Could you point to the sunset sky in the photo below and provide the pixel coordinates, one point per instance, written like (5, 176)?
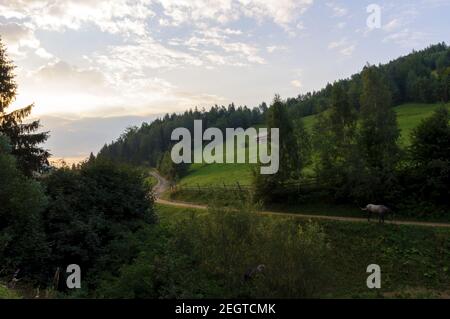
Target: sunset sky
(94, 67)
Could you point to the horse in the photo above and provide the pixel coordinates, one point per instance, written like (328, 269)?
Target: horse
(252, 272)
(380, 210)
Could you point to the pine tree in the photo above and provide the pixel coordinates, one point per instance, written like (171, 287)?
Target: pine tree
(335, 141)
(379, 131)
(267, 186)
(23, 137)
(278, 117)
(377, 138)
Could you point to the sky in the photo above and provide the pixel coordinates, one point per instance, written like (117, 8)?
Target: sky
(95, 67)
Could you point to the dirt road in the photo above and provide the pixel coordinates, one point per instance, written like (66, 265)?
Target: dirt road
(163, 185)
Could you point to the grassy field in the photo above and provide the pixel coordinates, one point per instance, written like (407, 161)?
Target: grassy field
(5, 293)
(409, 116)
(414, 260)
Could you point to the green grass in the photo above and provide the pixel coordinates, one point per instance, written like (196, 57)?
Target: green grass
(217, 174)
(229, 198)
(414, 260)
(409, 116)
(150, 181)
(6, 293)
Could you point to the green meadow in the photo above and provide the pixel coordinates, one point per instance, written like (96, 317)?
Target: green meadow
(414, 260)
(409, 116)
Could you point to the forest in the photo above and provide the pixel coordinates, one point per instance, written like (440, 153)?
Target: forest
(354, 147)
(101, 214)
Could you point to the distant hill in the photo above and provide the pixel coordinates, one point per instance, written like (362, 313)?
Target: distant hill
(409, 116)
(422, 77)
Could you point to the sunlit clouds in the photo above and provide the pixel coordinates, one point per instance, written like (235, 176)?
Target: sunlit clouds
(81, 59)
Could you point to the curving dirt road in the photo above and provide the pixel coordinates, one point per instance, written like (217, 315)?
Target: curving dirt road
(164, 185)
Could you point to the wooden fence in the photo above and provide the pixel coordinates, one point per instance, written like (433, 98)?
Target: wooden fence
(237, 187)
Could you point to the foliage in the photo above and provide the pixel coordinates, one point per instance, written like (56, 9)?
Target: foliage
(377, 140)
(431, 139)
(92, 206)
(292, 158)
(414, 260)
(206, 256)
(22, 240)
(427, 177)
(5, 293)
(335, 144)
(23, 137)
(169, 169)
(422, 77)
(149, 143)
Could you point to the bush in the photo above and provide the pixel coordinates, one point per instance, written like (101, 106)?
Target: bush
(22, 240)
(207, 256)
(91, 214)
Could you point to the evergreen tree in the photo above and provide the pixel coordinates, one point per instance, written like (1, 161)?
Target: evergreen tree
(23, 137)
(335, 141)
(445, 85)
(378, 134)
(170, 170)
(278, 117)
(304, 145)
(268, 186)
(379, 131)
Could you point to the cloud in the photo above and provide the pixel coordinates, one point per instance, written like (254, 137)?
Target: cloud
(348, 50)
(342, 46)
(338, 11)
(19, 38)
(281, 12)
(67, 77)
(392, 25)
(61, 88)
(144, 54)
(296, 83)
(119, 16)
(218, 42)
(41, 52)
(131, 17)
(406, 38)
(274, 48)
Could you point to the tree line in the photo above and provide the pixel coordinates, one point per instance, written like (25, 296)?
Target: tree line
(422, 77)
(356, 157)
(354, 147)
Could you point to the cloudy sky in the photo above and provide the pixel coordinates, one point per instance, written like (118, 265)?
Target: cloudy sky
(94, 67)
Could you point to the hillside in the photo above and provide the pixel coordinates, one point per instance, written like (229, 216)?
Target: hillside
(420, 77)
(409, 254)
(408, 115)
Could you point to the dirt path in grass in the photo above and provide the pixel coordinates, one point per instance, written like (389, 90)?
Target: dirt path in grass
(164, 185)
